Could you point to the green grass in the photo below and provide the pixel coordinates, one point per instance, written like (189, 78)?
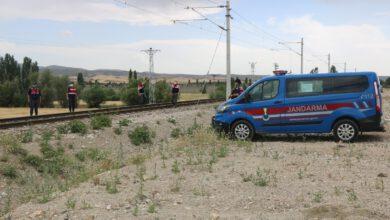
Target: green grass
(8, 171)
(100, 121)
(78, 127)
(141, 135)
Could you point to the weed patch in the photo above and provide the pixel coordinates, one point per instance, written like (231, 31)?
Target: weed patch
(141, 135)
(100, 121)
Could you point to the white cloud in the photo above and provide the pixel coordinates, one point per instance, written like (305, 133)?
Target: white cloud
(156, 12)
(362, 46)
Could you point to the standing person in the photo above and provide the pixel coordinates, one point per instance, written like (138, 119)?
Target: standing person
(72, 97)
(141, 93)
(175, 92)
(237, 89)
(34, 99)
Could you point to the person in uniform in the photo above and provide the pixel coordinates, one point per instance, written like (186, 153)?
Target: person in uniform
(175, 92)
(141, 93)
(237, 89)
(34, 99)
(72, 97)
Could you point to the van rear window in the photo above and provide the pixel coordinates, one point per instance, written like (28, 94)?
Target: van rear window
(324, 86)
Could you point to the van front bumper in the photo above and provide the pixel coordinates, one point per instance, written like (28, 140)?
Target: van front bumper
(219, 126)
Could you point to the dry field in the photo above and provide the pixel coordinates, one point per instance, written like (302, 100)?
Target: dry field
(189, 172)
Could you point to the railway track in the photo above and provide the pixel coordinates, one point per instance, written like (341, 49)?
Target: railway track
(49, 118)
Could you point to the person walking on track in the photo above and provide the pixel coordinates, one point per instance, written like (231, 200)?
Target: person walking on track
(34, 99)
(175, 92)
(72, 97)
(141, 93)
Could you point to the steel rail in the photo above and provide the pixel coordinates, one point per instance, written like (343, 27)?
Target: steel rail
(49, 118)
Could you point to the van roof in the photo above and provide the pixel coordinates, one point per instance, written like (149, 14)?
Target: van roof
(289, 76)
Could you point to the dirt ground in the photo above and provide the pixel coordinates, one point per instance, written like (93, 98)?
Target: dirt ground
(274, 177)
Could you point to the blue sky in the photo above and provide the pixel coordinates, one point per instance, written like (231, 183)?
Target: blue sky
(108, 34)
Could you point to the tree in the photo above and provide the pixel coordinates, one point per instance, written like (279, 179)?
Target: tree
(80, 79)
(333, 69)
(135, 75)
(60, 85)
(130, 75)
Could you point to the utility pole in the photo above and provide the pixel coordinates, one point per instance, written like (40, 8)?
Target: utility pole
(345, 67)
(228, 36)
(328, 63)
(228, 55)
(253, 67)
(151, 52)
(301, 54)
(302, 44)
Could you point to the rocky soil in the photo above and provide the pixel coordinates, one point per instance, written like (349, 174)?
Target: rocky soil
(202, 176)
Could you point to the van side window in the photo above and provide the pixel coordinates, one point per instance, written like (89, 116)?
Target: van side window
(350, 84)
(264, 91)
(325, 86)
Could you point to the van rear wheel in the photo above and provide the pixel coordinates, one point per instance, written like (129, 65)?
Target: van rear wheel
(242, 130)
(345, 130)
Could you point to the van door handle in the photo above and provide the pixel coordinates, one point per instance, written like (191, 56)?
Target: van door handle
(278, 102)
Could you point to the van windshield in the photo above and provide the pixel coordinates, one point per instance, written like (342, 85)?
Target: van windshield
(264, 91)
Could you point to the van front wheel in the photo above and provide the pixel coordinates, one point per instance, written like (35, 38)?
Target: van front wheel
(242, 130)
(345, 130)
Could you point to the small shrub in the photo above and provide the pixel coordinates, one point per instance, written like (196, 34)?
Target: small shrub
(8, 171)
(111, 187)
(152, 208)
(141, 135)
(12, 145)
(223, 152)
(171, 120)
(124, 122)
(71, 203)
(138, 159)
(176, 133)
(77, 126)
(91, 153)
(318, 196)
(175, 167)
(63, 129)
(47, 135)
(352, 195)
(27, 137)
(262, 178)
(118, 131)
(100, 121)
(33, 160)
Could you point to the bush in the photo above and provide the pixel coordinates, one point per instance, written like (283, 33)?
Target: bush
(219, 93)
(94, 96)
(77, 126)
(33, 160)
(118, 130)
(8, 171)
(176, 133)
(162, 92)
(63, 129)
(124, 122)
(27, 137)
(141, 135)
(100, 121)
(112, 95)
(92, 153)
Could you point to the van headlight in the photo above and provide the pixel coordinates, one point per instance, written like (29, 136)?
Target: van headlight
(222, 108)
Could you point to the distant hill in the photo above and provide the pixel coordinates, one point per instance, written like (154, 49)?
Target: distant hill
(112, 73)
